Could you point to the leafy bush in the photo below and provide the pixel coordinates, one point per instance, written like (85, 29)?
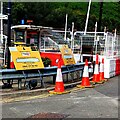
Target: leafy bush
(46, 61)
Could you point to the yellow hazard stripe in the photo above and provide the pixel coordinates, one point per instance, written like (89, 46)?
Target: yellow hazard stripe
(17, 99)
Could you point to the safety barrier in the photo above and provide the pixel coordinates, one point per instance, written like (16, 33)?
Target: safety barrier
(117, 69)
(119, 66)
(12, 74)
(112, 65)
(109, 68)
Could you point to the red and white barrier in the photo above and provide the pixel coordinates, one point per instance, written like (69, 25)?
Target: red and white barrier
(117, 68)
(110, 66)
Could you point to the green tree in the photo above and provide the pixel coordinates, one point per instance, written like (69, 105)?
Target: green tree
(18, 12)
(53, 14)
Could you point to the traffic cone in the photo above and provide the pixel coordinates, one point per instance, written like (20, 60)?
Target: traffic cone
(102, 71)
(85, 79)
(96, 76)
(59, 85)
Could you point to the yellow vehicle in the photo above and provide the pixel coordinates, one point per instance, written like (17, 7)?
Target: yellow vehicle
(19, 44)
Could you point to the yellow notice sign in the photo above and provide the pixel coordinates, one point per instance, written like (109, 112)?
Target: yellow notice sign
(67, 55)
(25, 59)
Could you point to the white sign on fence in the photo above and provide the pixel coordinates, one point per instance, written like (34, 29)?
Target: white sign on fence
(5, 17)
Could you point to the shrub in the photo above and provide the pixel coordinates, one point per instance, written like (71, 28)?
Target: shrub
(46, 61)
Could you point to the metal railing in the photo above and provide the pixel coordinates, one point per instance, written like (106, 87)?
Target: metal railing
(12, 74)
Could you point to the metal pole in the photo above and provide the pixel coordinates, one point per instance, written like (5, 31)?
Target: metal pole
(96, 43)
(44, 43)
(106, 45)
(9, 34)
(1, 22)
(81, 50)
(114, 45)
(5, 52)
(65, 27)
(95, 39)
(40, 39)
(72, 38)
(104, 31)
(95, 30)
(87, 17)
(115, 34)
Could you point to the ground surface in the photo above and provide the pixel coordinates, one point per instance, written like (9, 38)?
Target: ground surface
(98, 102)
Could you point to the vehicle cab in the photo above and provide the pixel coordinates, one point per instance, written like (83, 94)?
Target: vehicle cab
(30, 35)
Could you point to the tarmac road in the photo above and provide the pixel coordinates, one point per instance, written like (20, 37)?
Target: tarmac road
(98, 102)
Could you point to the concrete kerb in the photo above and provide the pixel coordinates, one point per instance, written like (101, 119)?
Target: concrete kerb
(26, 93)
(34, 91)
(38, 92)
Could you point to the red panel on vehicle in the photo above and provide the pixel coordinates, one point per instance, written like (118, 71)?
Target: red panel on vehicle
(53, 57)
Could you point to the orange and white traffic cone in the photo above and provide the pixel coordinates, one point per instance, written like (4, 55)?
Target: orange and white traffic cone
(59, 85)
(85, 79)
(96, 76)
(102, 71)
